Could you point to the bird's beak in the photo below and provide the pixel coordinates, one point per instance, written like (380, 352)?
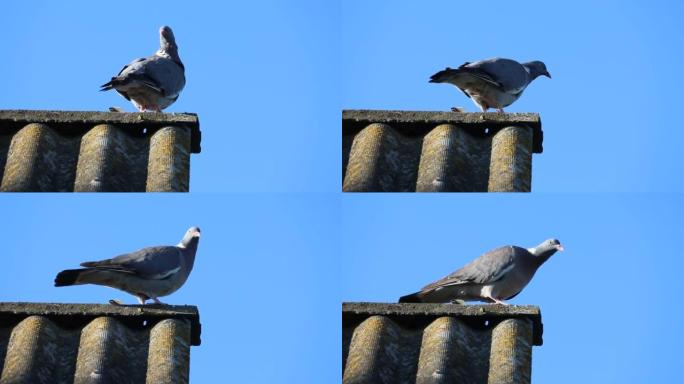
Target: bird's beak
(547, 74)
(560, 247)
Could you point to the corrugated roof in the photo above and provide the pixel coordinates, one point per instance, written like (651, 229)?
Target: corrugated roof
(406, 151)
(93, 343)
(62, 151)
(438, 343)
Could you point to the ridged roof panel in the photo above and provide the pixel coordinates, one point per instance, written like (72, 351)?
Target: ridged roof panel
(88, 343)
(403, 151)
(436, 343)
(62, 151)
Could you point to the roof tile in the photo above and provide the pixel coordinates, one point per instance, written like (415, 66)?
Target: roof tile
(96, 151)
(402, 151)
(427, 343)
(86, 343)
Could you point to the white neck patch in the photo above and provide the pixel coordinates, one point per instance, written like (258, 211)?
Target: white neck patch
(164, 54)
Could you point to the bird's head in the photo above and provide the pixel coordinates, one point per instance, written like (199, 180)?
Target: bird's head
(166, 38)
(546, 249)
(194, 232)
(536, 69)
(550, 245)
(167, 45)
(192, 235)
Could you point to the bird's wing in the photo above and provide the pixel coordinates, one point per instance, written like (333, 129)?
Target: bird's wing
(167, 75)
(507, 74)
(154, 263)
(486, 269)
(160, 74)
(132, 66)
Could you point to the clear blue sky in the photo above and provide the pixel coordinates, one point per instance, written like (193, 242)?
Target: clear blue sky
(281, 247)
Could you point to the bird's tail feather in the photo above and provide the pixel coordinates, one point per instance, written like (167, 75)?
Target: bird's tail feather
(92, 264)
(444, 75)
(412, 298)
(68, 277)
(110, 84)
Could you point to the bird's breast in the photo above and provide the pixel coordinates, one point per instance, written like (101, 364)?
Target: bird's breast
(510, 285)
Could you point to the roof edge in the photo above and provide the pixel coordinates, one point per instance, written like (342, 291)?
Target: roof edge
(78, 313)
(413, 122)
(64, 120)
(439, 117)
(429, 311)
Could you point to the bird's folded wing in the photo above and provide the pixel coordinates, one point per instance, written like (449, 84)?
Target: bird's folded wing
(166, 75)
(142, 72)
(510, 75)
(480, 75)
(154, 263)
(486, 269)
(132, 66)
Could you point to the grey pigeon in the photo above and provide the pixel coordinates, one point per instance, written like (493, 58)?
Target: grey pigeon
(495, 276)
(493, 83)
(149, 273)
(152, 83)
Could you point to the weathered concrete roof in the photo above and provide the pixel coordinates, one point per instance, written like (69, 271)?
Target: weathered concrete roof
(76, 121)
(84, 343)
(425, 343)
(438, 151)
(96, 151)
(416, 122)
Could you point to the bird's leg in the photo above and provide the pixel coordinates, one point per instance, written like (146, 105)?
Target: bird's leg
(156, 301)
(497, 301)
(141, 300)
(500, 110)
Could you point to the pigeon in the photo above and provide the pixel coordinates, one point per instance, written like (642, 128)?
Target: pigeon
(152, 83)
(495, 276)
(492, 83)
(147, 274)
